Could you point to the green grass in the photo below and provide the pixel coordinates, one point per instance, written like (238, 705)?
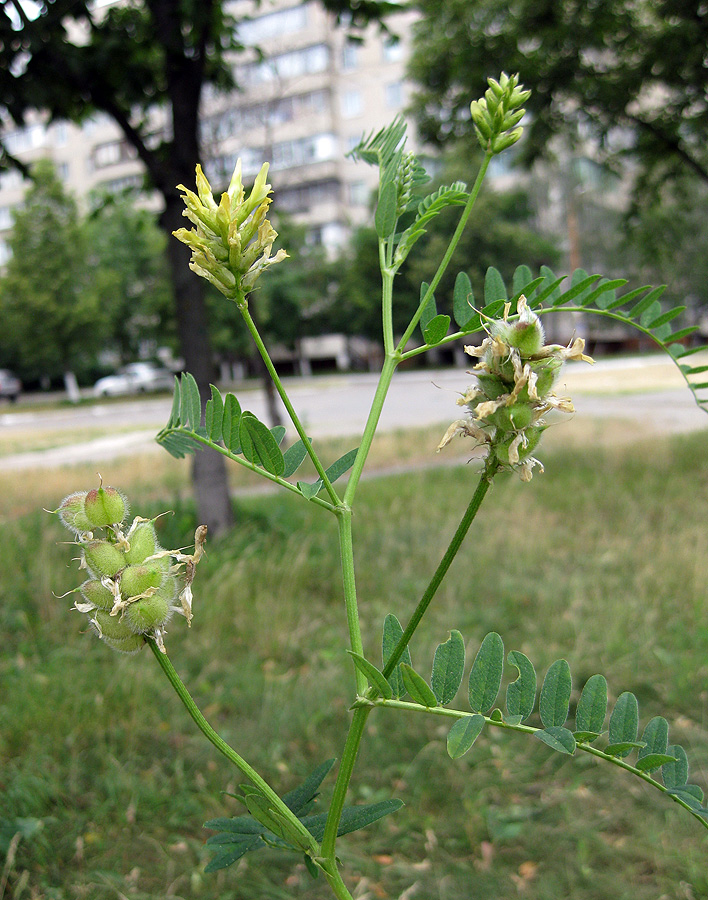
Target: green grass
(602, 560)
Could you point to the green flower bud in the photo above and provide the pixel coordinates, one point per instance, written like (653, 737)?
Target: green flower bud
(98, 594)
(143, 542)
(513, 418)
(103, 558)
(73, 513)
(136, 580)
(547, 370)
(105, 506)
(111, 626)
(512, 451)
(492, 386)
(146, 614)
(130, 644)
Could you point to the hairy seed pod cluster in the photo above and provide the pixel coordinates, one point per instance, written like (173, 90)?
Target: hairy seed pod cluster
(515, 376)
(134, 585)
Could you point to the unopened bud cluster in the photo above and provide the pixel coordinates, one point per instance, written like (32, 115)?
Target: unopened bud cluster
(133, 585)
(515, 376)
(232, 240)
(498, 113)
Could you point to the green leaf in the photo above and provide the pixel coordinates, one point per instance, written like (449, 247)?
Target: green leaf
(237, 825)
(214, 415)
(353, 818)
(605, 294)
(430, 310)
(436, 330)
(293, 458)
(684, 333)
(259, 446)
(580, 286)
(494, 287)
(228, 856)
(689, 793)
(309, 491)
(385, 216)
(640, 308)
(448, 668)
(521, 278)
(463, 300)
(652, 312)
(392, 633)
(551, 290)
(668, 316)
(190, 403)
(417, 686)
(463, 734)
(558, 738)
(278, 432)
(656, 738)
(375, 677)
(624, 720)
(486, 673)
(447, 195)
(174, 414)
(341, 465)
(675, 774)
(521, 694)
(177, 444)
(592, 706)
(586, 737)
(555, 694)
(623, 748)
(230, 424)
(652, 761)
(299, 799)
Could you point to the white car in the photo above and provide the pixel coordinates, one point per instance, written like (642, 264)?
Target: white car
(135, 378)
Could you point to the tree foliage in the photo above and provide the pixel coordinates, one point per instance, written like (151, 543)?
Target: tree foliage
(51, 322)
(631, 73)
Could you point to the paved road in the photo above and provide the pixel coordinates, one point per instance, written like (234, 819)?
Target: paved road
(338, 405)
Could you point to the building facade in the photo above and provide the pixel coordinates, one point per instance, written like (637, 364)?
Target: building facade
(303, 102)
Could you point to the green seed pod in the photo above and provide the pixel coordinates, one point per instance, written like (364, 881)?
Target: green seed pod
(523, 449)
(73, 514)
(146, 614)
(105, 506)
(130, 644)
(103, 558)
(547, 371)
(513, 418)
(136, 580)
(492, 386)
(143, 543)
(111, 627)
(525, 334)
(98, 594)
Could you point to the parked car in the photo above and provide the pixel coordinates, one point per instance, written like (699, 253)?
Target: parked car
(10, 385)
(135, 378)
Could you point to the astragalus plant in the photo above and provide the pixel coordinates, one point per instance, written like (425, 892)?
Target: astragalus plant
(133, 586)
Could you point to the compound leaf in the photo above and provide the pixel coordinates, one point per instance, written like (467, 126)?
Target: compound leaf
(293, 458)
(555, 694)
(494, 287)
(258, 444)
(230, 424)
(463, 300)
(486, 673)
(656, 738)
(558, 738)
(521, 694)
(675, 774)
(448, 668)
(624, 721)
(417, 686)
(214, 416)
(592, 706)
(190, 402)
(463, 734)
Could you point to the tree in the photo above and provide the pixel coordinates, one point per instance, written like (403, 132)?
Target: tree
(55, 325)
(129, 278)
(632, 74)
(126, 61)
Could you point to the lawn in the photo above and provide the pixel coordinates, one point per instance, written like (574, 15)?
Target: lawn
(105, 782)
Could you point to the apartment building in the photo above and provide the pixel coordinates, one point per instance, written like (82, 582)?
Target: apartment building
(302, 104)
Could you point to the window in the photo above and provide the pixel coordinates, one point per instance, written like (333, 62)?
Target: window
(10, 180)
(111, 153)
(62, 171)
(301, 152)
(304, 196)
(60, 133)
(288, 65)
(351, 104)
(28, 138)
(358, 193)
(394, 94)
(272, 25)
(5, 218)
(350, 56)
(391, 50)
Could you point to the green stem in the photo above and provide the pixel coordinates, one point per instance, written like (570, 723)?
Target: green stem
(346, 551)
(251, 325)
(387, 371)
(224, 748)
(445, 261)
(387, 276)
(346, 767)
(366, 703)
(339, 888)
(491, 467)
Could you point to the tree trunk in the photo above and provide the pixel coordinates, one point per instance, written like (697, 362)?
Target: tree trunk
(208, 471)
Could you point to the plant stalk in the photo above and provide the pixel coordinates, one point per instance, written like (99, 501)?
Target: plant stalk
(251, 325)
(491, 467)
(225, 748)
